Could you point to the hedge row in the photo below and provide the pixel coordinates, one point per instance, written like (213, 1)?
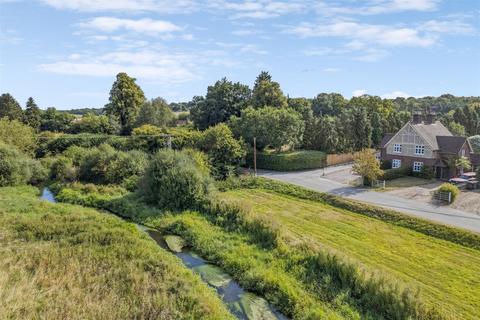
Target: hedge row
(440, 231)
(148, 143)
(289, 161)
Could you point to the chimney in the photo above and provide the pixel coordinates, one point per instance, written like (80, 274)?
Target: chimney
(430, 118)
(417, 118)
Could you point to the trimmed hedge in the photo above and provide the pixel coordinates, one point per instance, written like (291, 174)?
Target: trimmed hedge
(289, 161)
(437, 230)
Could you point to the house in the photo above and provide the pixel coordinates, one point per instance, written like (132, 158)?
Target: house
(425, 142)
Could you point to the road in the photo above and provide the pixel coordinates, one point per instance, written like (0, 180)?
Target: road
(313, 180)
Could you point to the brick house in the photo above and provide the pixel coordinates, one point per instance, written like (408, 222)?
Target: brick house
(425, 142)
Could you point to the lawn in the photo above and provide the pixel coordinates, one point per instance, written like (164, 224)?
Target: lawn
(446, 273)
(63, 261)
(405, 182)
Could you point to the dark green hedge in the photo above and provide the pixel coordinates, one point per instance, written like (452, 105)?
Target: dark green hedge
(289, 161)
(437, 230)
(58, 144)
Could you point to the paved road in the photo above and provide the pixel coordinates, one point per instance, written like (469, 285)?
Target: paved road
(314, 180)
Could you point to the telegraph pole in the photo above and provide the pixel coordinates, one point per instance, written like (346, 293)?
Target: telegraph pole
(255, 156)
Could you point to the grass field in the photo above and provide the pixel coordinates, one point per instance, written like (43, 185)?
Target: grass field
(446, 273)
(61, 261)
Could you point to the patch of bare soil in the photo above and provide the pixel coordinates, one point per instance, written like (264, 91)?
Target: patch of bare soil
(468, 201)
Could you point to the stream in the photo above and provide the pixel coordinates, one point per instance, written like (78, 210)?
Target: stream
(242, 304)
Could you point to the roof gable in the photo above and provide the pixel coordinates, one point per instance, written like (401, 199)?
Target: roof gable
(430, 132)
(451, 144)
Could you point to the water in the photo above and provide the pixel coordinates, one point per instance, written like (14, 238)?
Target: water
(242, 304)
(47, 195)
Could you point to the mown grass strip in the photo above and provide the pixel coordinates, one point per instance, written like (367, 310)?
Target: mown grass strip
(452, 234)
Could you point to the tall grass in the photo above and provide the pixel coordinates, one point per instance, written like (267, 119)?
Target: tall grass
(61, 261)
(329, 277)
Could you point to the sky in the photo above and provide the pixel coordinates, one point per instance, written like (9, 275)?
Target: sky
(66, 53)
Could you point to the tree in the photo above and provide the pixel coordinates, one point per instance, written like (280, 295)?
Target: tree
(270, 126)
(32, 115)
(53, 120)
(10, 108)
(126, 98)
(475, 143)
(267, 93)
(324, 135)
(367, 166)
(17, 134)
(155, 112)
(175, 180)
(92, 123)
(456, 129)
(463, 163)
(223, 100)
(360, 129)
(328, 104)
(225, 153)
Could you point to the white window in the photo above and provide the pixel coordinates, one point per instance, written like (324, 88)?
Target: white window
(417, 166)
(419, 149)
(397, 147)
(396, 163)
(463, 152)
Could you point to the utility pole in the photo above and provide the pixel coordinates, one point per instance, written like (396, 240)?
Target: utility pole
(255, 156)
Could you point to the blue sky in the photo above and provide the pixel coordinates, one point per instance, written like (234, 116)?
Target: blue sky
(67, 53)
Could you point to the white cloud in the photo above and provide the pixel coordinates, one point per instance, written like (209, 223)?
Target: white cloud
(161, 6)
(331, 70)
(359, 92)
(448, 27)
(395, 94)
(146, 26)
(361, 32)
(158, 66)
(250, 48)
(377, 7)
(263, 9)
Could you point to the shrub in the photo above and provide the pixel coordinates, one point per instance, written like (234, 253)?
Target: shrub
(225, 153)
(396, 173)
(96, 163)
(14, 166)
(448, 187)
(385, 164)
(289, 161)
(92, 123)
(124, 165)
(425, 173)
(174, 181)
(17, 134)
(63, 170)
(39, 172)
(146, 130)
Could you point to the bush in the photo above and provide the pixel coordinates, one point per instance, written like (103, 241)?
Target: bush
(63, 170)
(225, 153)
(18, 135)
(146, 130)
(174, 181)
(425, 173)
(14, 166)
(289, 161)
(125, 165)
(448, 187)
(391, 174)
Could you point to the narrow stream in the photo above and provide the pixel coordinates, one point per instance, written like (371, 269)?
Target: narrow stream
(242, 304)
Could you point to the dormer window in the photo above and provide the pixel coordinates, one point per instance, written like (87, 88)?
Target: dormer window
(397, 148)
(419, 149)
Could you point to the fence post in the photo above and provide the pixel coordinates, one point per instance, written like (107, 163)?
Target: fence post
(449, 197)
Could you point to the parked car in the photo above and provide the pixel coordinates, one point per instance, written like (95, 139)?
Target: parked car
(463, 178)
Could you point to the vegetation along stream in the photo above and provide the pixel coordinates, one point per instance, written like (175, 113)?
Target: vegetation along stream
(241, 303)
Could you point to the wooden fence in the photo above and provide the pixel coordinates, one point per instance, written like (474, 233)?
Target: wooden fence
(443, 196)
(336, 159)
